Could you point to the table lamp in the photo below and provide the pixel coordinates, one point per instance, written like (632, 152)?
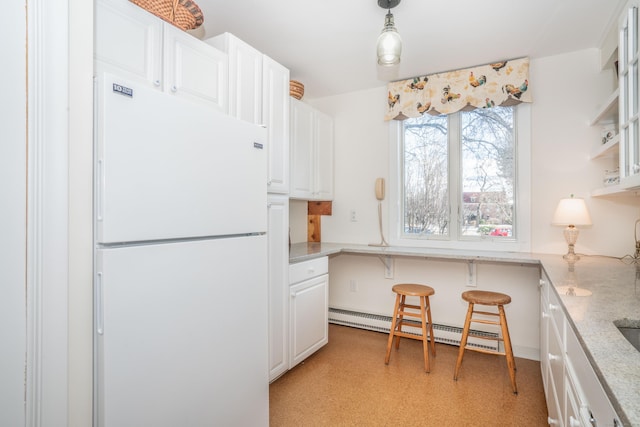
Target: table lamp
(571, 212)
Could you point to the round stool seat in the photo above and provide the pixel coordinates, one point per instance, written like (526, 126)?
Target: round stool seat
(413, 290)
(486, 297)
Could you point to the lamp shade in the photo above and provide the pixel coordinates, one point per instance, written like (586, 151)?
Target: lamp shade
(389, 45)
(572, 211)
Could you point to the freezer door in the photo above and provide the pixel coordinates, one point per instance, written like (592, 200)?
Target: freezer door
(181, 334)
(170, 168)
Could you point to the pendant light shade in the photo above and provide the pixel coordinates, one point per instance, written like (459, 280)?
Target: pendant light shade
(389, 45)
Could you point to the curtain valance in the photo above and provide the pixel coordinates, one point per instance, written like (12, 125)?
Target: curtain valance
(502, 83)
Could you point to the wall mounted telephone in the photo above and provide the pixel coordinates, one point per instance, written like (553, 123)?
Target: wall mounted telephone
(380, 196)
(380, 188)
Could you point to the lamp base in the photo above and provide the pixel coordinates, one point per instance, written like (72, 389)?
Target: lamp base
(571, 237)
(570, 256)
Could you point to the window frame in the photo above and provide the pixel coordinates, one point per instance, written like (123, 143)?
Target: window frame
(522, 227)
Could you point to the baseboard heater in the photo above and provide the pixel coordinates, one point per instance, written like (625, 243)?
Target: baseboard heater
(443, 333)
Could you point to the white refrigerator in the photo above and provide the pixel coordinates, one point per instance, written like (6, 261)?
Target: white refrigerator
(180, 262)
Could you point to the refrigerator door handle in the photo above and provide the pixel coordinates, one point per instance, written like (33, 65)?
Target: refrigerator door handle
(99, 190)
(99, 305)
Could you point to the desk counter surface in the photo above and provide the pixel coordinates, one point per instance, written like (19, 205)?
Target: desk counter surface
(615, 296)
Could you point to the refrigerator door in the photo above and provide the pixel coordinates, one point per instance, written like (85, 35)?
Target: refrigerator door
(182, 334)
(170, 168)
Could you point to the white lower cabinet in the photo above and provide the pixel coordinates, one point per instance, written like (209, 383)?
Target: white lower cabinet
(308, 308)
(278, 240)
(573, 392)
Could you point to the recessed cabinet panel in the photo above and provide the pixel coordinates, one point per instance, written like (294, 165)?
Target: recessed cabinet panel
(302, 161)
(278, 214)
(195, 69)
(311, 153)
(129, 39)
(309, 327)
(276, 115)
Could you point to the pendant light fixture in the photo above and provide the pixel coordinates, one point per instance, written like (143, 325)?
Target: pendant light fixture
(389, 44)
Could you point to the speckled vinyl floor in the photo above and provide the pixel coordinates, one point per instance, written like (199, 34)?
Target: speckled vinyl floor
(346, 383)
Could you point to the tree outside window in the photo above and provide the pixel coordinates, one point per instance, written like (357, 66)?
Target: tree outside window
(459, 175)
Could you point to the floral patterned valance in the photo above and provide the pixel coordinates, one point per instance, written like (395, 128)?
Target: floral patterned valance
(501, 83)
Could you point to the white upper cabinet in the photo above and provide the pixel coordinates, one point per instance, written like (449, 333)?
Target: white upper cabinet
(629, 76)
(311, 153)
(275, 112)
(194, 69)
(137, 45)
(245, 77)
(129, 40)
(259, 93)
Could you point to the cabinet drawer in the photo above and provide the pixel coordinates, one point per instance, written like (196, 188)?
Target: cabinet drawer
(556, 313)
(307, 269)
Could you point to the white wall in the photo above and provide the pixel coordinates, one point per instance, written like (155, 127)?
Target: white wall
(13, 188)
(566, 92)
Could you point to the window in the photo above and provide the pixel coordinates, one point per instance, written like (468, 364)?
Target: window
(462, 180)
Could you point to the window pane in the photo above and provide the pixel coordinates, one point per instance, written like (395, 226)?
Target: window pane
(487, 167)
(426, 184)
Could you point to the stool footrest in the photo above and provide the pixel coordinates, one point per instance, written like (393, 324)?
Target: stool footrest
(485, 351)
(408, 335)
(486, 322)
(483, 337)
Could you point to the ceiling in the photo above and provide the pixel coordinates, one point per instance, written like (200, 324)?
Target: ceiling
(329, 45)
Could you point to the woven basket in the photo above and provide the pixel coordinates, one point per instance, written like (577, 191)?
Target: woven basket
(184, 14)
(296, 89)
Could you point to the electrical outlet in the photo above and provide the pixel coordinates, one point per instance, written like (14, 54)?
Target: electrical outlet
(353, 285)
(352, 215)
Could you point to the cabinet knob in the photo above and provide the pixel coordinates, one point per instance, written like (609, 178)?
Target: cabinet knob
(174, 89)
(553, 357)
(552, 421)
(553, 307)
(545, 315)
(156, 82)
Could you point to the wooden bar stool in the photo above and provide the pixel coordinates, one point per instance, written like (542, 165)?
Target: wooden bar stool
(424, 314)
(488, 298)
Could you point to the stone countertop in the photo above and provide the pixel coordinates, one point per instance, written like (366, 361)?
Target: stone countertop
(615, 296)
(305, 251)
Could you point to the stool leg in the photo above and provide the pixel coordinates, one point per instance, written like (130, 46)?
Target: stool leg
(431, 337)
(425, 342)
(463, 342)
(511, 363)
(392, 330)
(400, 319)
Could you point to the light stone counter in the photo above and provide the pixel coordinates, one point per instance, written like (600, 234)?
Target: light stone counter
(615, 295)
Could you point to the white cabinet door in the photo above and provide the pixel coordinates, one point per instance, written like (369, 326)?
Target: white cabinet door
(324, 156)
(245, 77)
(278, 233)
(128, 40)
(311, 153)
(629, 80)
(275, 110)
(302, 165)
(194, 69)
(309, 318)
